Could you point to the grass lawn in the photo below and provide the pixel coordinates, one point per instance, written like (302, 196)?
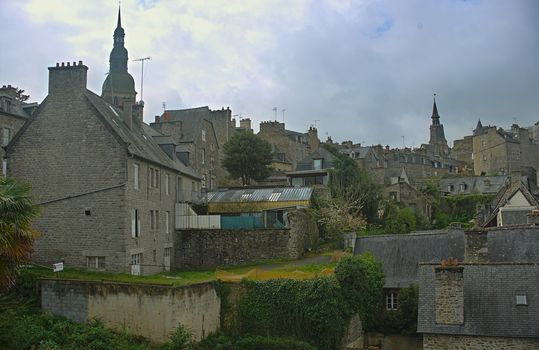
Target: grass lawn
(177, 278)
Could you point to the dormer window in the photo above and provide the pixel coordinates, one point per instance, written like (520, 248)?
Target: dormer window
(317, 164)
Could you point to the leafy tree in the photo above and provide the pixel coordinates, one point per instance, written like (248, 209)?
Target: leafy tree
(353, 185)
(16, 234)
(361, 278)
(247, 157)
(20, 96)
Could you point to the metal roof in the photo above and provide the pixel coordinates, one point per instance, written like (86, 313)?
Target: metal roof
(261, 195)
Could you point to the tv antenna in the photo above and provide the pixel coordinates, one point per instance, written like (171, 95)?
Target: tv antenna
(142, 75)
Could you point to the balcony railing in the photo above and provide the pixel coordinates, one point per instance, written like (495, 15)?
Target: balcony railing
(196, 197)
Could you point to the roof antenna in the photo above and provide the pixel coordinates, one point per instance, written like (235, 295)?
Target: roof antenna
(142, 75)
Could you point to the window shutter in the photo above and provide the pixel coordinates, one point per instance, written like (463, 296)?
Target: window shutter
(133, 223)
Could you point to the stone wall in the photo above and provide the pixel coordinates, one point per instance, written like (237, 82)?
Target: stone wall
(449, 295)
(475, 246)
(147, 310)
(458, 342)
(212, 248)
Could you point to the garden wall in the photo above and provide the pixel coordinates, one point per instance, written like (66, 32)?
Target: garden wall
(148, 310)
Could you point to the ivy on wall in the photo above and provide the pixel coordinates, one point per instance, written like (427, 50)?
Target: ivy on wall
(316, 310)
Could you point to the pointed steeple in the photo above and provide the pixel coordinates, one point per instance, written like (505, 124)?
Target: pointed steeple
(478, 128)
(437, 135)
(119, 85)
(119, 25)
(435, 116)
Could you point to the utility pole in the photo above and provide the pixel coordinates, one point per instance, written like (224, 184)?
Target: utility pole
(142, 75)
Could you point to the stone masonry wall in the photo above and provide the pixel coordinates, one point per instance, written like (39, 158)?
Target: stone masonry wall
(459, 342)
(211, 248)
(449, 295)
(77, 170)
(147, 310)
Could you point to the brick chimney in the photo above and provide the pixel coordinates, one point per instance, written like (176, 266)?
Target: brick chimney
(475, 246)
(449, 295)
(65, 78)
(127, 113)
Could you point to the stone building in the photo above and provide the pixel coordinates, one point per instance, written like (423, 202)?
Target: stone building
(106, 189)
(197, 143)
(289, 146)
(410, 197)
(313, 170)
(13, 115)
(499, 152)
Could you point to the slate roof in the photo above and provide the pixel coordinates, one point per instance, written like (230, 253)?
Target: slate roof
(357, 152)
(261, 195)
(506, 193)
(474, 184)
(400, 254)
(489, 301)
(320, 153)
(137, 139)
(191, 120)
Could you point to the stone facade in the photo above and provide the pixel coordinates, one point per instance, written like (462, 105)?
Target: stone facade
(146, 310)
(449, 295)
(289, 146)
(459, 342)
(409, 197)
(74, 155)
(476, 246)
(198, 145)
(13, 115)
(463, 151)
(496, 151)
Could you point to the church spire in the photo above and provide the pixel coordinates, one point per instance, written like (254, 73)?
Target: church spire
(435, 116)
(119, 85)
(119, 25)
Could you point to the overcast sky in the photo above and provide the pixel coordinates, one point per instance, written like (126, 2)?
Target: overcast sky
(360, 70)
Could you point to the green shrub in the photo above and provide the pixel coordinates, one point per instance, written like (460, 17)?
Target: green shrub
(404, 319)
(269, 343)
(361, 279)
(180, 339)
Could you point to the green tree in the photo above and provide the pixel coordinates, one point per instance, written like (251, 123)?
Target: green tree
(20, 96)
(361, 278)
(16, 234)
(353, 185)
(247, 157)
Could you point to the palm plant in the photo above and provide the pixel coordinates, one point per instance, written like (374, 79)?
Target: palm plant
(16, 233)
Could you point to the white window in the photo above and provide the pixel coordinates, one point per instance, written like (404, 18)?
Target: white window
(136, 261)
(167, 191)
(136, 176)
(204, 135)
(95, 262)
(6, 136)
(392, 302)
(521, 299)
(135, 223)
(203, 156)
(167, 222)
(317, 164)
(203, 180)
(167, 252)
